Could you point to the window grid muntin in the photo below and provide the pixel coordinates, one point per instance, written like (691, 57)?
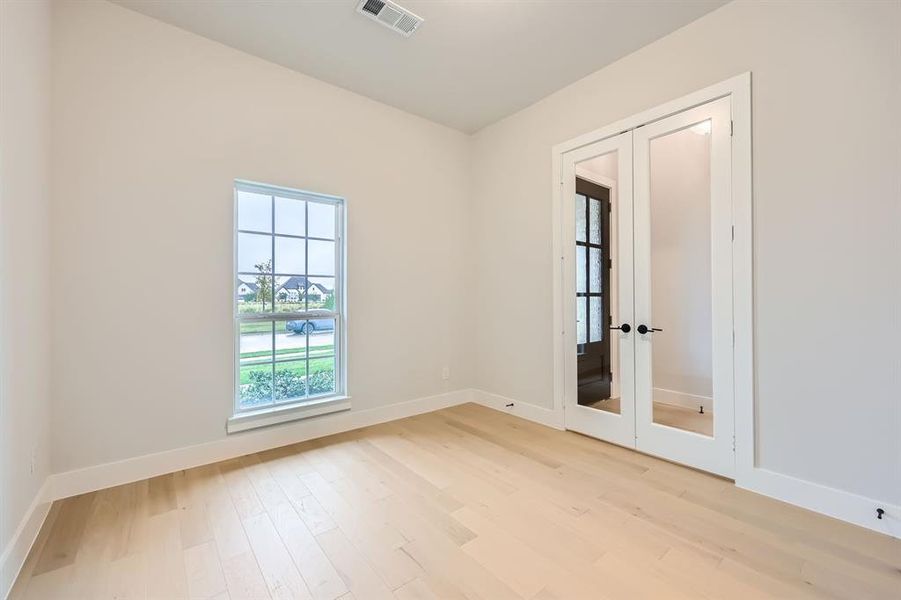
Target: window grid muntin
(307, 314)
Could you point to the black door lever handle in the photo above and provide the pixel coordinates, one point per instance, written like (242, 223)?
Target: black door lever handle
(625, 328)
(643, 329)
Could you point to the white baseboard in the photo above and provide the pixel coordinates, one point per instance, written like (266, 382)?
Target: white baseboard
(822, 499)
(19, 546)
(89, 479)
(544, 416)
(682, 399)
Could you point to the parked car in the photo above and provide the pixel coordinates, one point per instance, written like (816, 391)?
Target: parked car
(311, 326)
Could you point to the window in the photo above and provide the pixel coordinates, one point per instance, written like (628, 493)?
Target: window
(289, 350)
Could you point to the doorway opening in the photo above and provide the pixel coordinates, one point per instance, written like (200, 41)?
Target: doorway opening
(647, 258)
(593, 266)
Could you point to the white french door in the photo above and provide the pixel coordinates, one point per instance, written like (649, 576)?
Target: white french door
(683, 286)
(671, 261)
(613, 418)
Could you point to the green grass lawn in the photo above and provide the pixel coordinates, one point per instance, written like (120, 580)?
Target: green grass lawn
(315, 352)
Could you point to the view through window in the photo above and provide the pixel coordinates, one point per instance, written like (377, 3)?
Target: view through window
(287, 296)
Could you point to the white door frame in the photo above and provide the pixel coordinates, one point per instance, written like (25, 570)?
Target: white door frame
(739, 89)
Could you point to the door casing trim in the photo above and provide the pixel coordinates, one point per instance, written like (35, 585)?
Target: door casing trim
(739, 89)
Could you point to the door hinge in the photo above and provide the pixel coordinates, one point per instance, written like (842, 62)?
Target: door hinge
(731, 128)
(733, 338)
(733, 442)
(733, 233)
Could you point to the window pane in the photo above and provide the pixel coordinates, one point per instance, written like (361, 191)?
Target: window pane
(290, 216)
(256, 342)
(581, 318)
(594, 276)
(247, 294)
(597, 319)
(289, 293)
(255, 376)
(321, 294)
(581, 228)
(594, 222)
(581, 275)
(322, 258)
(322, 376)
(289, 255)
(323, 329)
(322, 220)
(278, 361)
(290, 341)
(254, 294)
(254, 212)
(290, 380)
(321, 337)
(254, 253)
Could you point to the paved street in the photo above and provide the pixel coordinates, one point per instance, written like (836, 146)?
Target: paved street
(263, 341)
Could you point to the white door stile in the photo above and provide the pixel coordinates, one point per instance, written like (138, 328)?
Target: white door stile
(616, 428)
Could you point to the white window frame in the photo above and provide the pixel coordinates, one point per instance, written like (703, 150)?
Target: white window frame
(309, 406)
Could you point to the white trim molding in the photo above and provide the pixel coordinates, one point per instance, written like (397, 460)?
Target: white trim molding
(530, 412)
(89, 479)
(283, 414)
(839, 504)
(13, 558)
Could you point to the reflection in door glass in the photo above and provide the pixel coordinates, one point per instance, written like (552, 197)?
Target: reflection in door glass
(597, 352)
(682, 373)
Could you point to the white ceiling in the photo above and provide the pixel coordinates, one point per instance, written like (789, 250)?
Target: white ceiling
(471, 62)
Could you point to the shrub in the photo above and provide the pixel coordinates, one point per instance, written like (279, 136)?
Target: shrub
(322, 382)
(288, 384)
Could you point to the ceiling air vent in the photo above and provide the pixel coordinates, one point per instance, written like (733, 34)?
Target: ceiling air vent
(390, 15)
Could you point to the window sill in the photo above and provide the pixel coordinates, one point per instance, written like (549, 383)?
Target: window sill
(283, 414)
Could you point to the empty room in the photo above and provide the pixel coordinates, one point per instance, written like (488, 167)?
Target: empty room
(450, 299)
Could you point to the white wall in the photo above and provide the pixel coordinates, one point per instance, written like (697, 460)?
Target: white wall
(151, 126)
(24, 269)
(827, 175)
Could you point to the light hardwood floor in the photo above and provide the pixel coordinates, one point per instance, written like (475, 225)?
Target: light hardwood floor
(461, 503)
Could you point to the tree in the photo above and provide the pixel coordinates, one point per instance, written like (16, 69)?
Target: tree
(264, 282)
(329, 301)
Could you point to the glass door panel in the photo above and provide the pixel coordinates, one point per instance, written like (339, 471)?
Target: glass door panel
(681, 367)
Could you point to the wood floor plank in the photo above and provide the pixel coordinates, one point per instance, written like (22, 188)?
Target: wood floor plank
(190, 496)
(161, 494)
(358, 575)
(464, 503)
(165, 563)
(282, 577)
(65, 536)
(204, 571)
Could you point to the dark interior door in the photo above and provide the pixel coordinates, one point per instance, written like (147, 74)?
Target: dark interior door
(593, 291)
